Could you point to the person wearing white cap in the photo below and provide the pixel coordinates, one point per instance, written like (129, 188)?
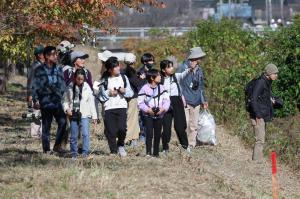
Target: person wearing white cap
(193, 91)
(133, 128)
(64, 49)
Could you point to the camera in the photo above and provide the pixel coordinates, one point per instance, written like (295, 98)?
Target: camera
(32, 114)
(195, 85)
(155, 110)
(76, 115)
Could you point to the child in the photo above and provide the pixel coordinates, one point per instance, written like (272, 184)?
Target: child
(153, 101)
(114, 89)
(171, 83)
(79, 105)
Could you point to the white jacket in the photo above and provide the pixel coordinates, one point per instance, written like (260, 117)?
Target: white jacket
(87, 103)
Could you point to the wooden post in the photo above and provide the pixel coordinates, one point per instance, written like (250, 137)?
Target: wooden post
(275, 185)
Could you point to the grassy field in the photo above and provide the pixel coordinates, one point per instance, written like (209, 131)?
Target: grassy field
(224, 171)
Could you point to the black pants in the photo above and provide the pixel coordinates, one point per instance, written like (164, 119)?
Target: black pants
(177, 112)
(47, 117)
(115, 127)
(153, 126)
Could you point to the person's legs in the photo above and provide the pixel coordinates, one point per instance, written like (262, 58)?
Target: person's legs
(157, 134)
(85, 136)
(47, 117)
(122, 126)
(130, 114)
(180, 122)
(193, 123)
(74, 128)
(61, 120)
(149, 134)
(259, 132)
(110, 121)
(167, 125)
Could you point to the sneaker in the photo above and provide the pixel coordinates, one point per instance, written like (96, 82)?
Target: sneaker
(122, 151)
(166, 152)
(188, 150)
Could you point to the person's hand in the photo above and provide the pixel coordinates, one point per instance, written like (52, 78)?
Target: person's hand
(113, 93)
(161, 110)
(258, 120)
(150, 112)
(29, 99)
(122, 90)
(36, 105)
(69, 113)
(205, 105)
(94, 121)
(142, 76)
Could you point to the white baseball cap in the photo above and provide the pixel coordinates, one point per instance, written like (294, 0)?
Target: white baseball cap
(130, 58)
(65, 46)
(105, 55)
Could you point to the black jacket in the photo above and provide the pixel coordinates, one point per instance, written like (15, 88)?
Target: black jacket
(261, 99)
(136, 83)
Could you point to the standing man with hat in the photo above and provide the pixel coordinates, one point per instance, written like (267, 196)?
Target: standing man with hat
(262, 108)
(36, 125)
(193, 91)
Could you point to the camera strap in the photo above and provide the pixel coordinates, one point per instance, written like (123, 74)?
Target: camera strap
(79, 94)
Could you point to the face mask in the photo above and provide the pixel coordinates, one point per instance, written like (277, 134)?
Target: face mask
(149, 66)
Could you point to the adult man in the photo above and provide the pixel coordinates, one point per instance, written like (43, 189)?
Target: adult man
(35, 125)
(47, 92)
(262, 108)
(193, 91)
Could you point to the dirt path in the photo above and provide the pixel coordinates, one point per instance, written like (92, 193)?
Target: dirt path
(225, 171)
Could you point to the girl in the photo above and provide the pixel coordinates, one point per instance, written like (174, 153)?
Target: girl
(153, 101)
(114, 89)
(79, 105)
(171, 82)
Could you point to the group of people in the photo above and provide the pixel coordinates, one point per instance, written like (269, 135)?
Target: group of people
(137, 104)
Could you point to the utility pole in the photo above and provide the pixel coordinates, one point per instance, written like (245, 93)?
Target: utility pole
(281, 11)
(267, 12)
(270, 10)
(221, 9)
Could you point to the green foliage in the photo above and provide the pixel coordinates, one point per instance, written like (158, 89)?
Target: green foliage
(284, 51)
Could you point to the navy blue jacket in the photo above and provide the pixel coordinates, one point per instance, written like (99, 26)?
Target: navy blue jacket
(48, 94)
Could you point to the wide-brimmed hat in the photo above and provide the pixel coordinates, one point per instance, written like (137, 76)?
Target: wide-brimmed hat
(105, 55)
(78, 54)
(196, 52)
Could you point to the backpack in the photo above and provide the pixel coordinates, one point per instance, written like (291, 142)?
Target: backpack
(172, 79)
(105, 83)
(248, 94)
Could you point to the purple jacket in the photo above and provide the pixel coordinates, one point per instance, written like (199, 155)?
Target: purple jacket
(149, 98)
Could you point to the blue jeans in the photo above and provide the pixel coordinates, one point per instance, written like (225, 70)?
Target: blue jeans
(85, 137)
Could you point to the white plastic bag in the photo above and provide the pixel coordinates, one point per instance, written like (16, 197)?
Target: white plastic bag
(206, 133)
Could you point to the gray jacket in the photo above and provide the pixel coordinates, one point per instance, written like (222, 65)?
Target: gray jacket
(194, 96)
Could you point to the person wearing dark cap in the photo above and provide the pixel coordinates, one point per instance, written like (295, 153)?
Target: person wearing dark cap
(47, 92)
(77, 62)
(35, 126)
(262, 108)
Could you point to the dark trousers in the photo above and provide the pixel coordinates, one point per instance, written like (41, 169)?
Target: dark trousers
(153, 126)
(115, 127)
(47, 117)
(177, 112)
